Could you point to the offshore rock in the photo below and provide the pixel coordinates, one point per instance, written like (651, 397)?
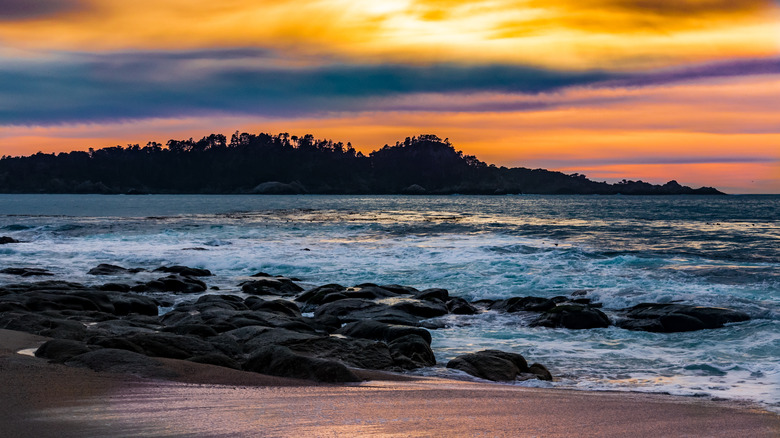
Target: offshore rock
(493, 365)
(184, 270)
(172, 283)
(26, 272)
(271, 286)
(523, 304)
(5, 240)
(572, 316)
(107, 269)
(669, 318)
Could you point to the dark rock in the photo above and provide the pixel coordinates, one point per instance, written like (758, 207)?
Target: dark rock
(283, 362)
(271, 286)
(184, 270)
(572, 316)
(412, 351)
(5, 240)
(491, 365)
(233, 302)
(115, 287)
(315, 295)
(400, 290)
(172, 283)
(355, 309)
(360, 353)
(201, 330)
(422, 309)
(379, 331)
(106, 269)
(26, 272)
(669, 318)
(433, 294)
(459, 306)
(524, 304)
(121, 361)
(61, 350)
(170, 345)
(541, 372)
(282, 307)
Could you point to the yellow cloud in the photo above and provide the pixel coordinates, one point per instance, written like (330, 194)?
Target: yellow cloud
(562, 33)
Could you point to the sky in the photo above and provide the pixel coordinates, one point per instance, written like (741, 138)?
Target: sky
(614, 89)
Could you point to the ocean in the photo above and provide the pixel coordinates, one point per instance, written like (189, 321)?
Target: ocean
(707, 250)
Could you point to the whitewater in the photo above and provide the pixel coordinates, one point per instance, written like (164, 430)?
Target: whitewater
(619, 251)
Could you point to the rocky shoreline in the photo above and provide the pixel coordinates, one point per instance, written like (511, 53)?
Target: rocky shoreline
(275, 327)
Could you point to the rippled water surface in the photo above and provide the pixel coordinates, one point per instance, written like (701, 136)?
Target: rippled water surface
(719, 251)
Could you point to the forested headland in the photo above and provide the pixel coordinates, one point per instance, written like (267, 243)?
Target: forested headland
(265, 163)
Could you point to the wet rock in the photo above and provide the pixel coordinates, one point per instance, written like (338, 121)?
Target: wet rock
(271, 286)
(541, 372)
(379, 331)
(433, 294)
(26, 272)
(316, 295)
(283, 362)
(360, 353)
(61, 350)
(5, 240)
(184, 270)
(523, 304)
(572, 316)
(107, 269)
(422, 309)
(668, 318)
(399, 289)
(282, 307)
(220, 301)
(460, 306)
(356, 309)
(172, 283)
(493, 365)
(411, 351)
(171, 345)
(43, 325)
(115, 287)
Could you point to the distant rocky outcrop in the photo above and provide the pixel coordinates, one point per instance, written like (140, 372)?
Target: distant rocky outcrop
(283, 164)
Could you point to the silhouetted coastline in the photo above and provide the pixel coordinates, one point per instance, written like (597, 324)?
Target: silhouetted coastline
(284, 164)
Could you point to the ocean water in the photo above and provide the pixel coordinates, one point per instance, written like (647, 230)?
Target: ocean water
(715, 251)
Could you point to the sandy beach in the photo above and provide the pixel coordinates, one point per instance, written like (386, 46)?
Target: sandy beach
(42, 399)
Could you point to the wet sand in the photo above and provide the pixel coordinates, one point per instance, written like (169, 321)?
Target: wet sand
(41, 399)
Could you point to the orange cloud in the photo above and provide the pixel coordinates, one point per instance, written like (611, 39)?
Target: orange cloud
(562, 33)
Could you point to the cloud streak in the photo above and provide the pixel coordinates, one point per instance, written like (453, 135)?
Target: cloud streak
(79, 87)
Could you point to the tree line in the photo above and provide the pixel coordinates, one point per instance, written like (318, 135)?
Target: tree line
(284, 163)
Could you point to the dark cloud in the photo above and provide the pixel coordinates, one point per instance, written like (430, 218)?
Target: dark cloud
(11, 10)
(89, 87)
(741, 67)
(77, 87)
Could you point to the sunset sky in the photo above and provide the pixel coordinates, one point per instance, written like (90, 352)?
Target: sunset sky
(635, 89)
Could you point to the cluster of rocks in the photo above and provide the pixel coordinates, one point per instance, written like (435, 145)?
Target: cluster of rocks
(278, 328)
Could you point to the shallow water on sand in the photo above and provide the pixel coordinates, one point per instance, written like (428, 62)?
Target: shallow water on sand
(715, 251)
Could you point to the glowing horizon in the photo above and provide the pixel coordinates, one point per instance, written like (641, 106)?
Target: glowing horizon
(614, 89)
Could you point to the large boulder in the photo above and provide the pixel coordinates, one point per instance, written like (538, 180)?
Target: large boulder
(281, 361)
(459, 306)
(121, 361)
(107, 269)
(668, 318)
(523, 304)
(26, 272)
(61, 350)
(411, 351)
(493, 365)
(379, 331)
(281, 286)
(572, 316)
(5, 240)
